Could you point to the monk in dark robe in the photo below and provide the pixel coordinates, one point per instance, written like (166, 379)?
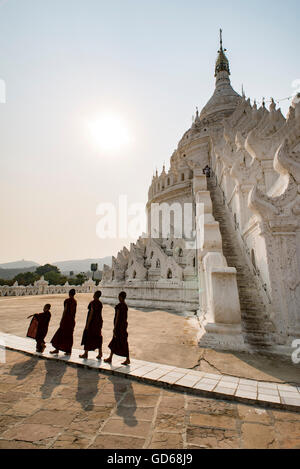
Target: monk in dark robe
(63, 338)
(92, 334)
(38, 327)
(119, 343)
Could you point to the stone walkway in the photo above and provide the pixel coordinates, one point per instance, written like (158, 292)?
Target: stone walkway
(217, 386)
(47, 404)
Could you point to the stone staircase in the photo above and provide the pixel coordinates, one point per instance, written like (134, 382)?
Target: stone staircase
(256, 326)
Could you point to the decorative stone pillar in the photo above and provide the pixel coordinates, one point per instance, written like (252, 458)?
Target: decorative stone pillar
(219, 301)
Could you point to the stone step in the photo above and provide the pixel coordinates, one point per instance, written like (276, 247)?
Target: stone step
(255, 322)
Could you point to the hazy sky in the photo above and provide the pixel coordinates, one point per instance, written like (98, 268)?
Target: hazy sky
(148, 62)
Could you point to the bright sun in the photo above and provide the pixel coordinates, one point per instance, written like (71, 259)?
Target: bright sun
(108, 132)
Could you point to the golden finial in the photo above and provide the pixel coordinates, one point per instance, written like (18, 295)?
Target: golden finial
(222, 63)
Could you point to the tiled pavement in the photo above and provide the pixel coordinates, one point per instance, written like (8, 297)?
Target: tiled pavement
(281, 396)
(48, 404)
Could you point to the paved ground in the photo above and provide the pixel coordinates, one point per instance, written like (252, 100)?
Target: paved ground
(47, 404)
(153, 335)
(156, 336)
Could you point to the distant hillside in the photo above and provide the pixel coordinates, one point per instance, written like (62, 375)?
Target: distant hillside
(9, 270)
(82, 265)
(8, 274)
(19, 265)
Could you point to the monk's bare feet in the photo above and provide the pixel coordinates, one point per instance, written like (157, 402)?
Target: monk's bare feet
(54, 352)
(127, 362)
(107, 360)
(84, 355)
(99, 357)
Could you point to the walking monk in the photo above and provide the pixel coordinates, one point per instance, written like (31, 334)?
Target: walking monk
(63, 338)
(92, 334)
(119, 343)
(38, 327)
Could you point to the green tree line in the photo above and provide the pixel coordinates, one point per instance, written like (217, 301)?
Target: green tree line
(50, 272)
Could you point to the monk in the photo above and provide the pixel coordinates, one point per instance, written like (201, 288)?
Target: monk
(63, 338)
(38, 327)
(92, 334)
(119, 343)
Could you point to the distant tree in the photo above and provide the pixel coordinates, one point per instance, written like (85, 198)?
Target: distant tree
(79, 279)
(55, 278)
(4, 281)
(26, 278)
(44, 269)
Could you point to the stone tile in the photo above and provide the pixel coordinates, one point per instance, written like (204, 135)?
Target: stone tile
(211, 406)
(288, 434)
(128, 427)
(25, 407)
(248, 382)
(104, 441)
(246, 394)
(232, 379)
(57, 418)
(268, 398)
(290, 401)
(127, 369)
(140, 413)
(228, 391)
(244, 388)
(144, 388)
(287, 388)
(285, 415)
(291, 395)
(71, 440)
(253, 414)
(213, 376)
(140, 400)
(257, 436)
(209, 381)
(7, 444)
(162, 440)
(142, 371)
(228, 384)
(97, 413)
(106, 399)
(155, 374)
(31, 432)
(171, 378)
(262, 384)
(7, 421)
(188, 381)
(268, 391)
(215, 421)
(212, 438)
(204, 386)
(169, 422)
(196, 373)
(172, 403)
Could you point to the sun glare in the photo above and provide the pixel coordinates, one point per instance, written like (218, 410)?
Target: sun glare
(108, 132)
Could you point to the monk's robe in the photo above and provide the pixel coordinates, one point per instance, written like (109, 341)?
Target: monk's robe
(119, 343)
(38, 328)
(92, 334)
(63, 338)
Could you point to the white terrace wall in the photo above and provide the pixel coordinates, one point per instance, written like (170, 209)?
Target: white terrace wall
(256, 162)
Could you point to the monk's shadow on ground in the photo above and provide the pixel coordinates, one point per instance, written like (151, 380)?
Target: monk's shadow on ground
(87, 389)
(25, 368)
(54, 373)
(126, 412)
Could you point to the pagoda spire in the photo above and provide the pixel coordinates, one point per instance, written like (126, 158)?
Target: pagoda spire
(222, 63)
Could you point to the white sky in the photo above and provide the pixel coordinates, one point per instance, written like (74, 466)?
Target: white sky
(149, 63)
